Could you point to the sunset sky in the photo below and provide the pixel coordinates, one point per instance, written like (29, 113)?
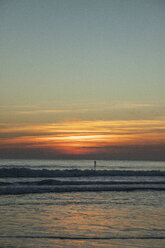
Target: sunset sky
(82, 79)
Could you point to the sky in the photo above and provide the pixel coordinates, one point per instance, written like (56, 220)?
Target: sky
(82, 79)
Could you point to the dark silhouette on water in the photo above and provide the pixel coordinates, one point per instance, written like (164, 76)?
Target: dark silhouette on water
(94, 165)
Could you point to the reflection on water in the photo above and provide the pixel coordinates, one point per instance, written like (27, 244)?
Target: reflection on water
(82, 219)
(51, 243)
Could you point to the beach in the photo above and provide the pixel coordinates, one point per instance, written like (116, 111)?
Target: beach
(117, 217)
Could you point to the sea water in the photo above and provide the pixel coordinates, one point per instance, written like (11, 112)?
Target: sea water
(121, 204)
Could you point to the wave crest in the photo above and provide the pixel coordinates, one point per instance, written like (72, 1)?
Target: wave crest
(26, 172)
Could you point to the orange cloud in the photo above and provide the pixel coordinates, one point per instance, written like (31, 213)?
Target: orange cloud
(83, 137)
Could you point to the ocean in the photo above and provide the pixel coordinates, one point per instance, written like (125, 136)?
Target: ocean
(70, 203)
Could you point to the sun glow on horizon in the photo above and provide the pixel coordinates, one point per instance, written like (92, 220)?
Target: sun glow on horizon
(83, 137)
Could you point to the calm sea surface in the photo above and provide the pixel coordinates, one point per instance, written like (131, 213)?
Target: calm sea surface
(91, 210)
(83, 164)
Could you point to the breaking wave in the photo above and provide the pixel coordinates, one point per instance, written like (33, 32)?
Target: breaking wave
(26, 172)
(62, 181)
(31, 189)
